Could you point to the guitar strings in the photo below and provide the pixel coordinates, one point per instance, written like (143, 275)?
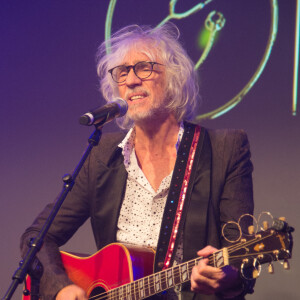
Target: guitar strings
(247, 243)
(135, 290)
(150, 286)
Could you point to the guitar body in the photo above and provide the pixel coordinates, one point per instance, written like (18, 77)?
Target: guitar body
(125, 271)
(109, 268)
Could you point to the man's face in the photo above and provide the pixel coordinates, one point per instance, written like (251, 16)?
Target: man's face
(145, 97)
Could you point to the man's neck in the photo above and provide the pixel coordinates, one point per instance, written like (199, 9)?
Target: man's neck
(156, 136)
(155, 148)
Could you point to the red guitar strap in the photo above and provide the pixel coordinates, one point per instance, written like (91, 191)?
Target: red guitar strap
(180, 190)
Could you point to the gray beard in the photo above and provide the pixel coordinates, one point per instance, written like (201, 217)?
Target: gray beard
(153, 114)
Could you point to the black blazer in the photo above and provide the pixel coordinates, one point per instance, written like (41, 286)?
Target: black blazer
(220, 194)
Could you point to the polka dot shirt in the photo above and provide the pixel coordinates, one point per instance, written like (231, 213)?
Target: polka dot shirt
(142, 209)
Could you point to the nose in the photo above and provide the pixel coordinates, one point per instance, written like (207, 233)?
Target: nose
(132, 79)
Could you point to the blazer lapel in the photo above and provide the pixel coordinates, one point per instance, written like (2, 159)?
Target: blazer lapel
(195, 204)
(196, 225)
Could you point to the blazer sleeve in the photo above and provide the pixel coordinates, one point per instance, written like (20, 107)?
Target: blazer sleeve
(237, 196)
(75, 210)
(72, 214)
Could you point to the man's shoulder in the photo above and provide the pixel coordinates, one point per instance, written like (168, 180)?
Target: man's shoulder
(228, 142)
(113, 138)
(107, 146)
(222, 135)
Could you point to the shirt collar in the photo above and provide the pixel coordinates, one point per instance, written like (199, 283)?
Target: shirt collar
(127, 146)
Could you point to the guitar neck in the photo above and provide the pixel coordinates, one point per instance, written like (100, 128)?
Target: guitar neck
(105, 275)
(166, 279)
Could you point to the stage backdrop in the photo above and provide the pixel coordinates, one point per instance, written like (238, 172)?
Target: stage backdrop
(48, 79)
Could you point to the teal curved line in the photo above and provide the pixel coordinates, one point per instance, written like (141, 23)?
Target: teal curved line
(238, 98)
(178, 16)
(108, 21)
(172, 15)
(296, 60)
(207, 49)
(213, 31)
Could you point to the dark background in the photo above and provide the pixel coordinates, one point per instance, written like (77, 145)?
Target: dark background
(48, 79)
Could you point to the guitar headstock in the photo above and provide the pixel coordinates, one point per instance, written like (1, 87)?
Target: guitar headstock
(268, 245)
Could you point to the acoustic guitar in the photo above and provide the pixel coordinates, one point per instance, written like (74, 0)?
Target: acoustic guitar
(121, 271)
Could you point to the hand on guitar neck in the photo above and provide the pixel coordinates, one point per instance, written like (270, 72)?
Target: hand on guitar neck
(209, 280)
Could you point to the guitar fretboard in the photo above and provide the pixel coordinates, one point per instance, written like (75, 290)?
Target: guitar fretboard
(163, 280)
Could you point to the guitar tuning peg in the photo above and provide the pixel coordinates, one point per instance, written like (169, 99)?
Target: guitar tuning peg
(271, 268)
(282, 219)
(255, 274)
(251, 229)
(265, 225)
(286, 264)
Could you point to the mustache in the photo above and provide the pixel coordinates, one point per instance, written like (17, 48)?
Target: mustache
(138, 90)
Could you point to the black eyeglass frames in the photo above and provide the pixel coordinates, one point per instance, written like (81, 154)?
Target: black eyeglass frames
(142, 69)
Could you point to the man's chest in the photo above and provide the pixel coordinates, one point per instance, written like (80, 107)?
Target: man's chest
(156, 168)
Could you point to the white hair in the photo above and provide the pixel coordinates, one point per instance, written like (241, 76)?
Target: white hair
(181, 78)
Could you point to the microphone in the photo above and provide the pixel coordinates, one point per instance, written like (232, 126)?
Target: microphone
(104, 114)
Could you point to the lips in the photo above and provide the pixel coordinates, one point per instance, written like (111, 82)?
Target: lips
(137, 96)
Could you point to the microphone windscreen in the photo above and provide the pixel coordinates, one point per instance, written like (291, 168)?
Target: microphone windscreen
(122, 105)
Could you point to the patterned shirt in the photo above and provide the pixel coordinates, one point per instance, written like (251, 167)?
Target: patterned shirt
(142, 209)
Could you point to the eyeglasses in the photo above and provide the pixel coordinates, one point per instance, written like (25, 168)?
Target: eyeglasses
(142, 70)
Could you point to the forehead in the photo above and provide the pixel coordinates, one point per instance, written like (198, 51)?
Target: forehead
(138, 51)
(133, 56)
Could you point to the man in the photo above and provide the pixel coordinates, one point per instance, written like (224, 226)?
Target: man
(127, 185)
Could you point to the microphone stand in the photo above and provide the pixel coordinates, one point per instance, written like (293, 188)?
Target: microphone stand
(30, 264)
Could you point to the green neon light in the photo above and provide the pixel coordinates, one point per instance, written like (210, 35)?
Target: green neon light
(203, 38)
(238, 98)
(108, 21)
(296, 59)
(214, 22)
(178, 16)
(214, 26)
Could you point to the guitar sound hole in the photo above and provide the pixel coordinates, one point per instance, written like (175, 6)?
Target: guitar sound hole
(97, 291)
